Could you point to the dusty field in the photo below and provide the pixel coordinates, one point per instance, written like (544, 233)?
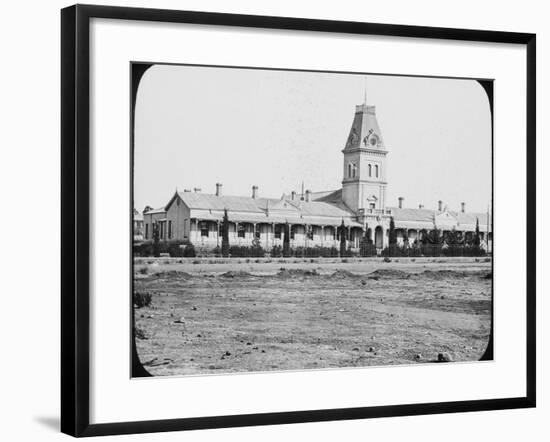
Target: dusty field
(258, 317)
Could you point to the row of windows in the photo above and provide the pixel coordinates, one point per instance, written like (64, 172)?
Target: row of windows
(203, 226)
(161, 226)
(352, 170)
(278, 231)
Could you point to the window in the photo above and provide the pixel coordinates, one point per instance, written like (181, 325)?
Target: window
(292, 232)
(257, 231)
(204, 229)
(278, 230)
(370, 170)
(349, 170)
(170, 229)
(309, 232)
(376, 170)
(147, 231)
(354, 169)
(161, 230)
(241, 231)
(372, 205)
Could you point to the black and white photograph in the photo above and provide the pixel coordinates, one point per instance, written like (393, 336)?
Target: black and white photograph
(309, 220)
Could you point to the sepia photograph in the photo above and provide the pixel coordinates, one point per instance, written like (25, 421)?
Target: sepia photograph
(307, 220)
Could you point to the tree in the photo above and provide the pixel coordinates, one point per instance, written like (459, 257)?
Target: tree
(156, 237)
(392, 233)
(286, 241)
(424, 239)
(225, 234)
(366, 247)
(342, 239)
(454, 237)
(477, 236)
(435, 236)
(369, 235)
(477, 240)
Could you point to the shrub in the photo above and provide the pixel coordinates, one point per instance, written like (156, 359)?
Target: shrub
(276, 252)
(254, 251)
(139, 333)
(257, 250)
(189, 251)
(142, 299)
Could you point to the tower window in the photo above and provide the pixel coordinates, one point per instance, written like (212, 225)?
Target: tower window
(349, 170)
(354, 169)
(376, 170)
(370, 170)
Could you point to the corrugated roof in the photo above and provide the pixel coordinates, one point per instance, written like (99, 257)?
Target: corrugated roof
(326, 208)
(272, 218)
(319, 208)
(154, 211)
(197, 200)
(419, 215)
(425, 217)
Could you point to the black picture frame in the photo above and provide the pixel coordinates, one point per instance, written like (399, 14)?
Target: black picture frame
(75, 213)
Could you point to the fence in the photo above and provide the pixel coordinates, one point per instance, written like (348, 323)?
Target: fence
(434, 250)
(186, 249)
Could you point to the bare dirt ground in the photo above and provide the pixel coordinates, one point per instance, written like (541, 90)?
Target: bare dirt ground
(231, 317)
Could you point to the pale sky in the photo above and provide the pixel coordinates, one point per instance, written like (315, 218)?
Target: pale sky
(196, 126)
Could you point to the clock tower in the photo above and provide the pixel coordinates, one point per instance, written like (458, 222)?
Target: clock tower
(365, 166)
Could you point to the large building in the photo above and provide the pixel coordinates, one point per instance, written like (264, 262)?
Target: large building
(315, 218)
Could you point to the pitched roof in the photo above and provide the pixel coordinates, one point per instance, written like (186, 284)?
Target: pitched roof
(154, 211)
(425, 217)
(198, 200)
(267, 209)
(363, 126)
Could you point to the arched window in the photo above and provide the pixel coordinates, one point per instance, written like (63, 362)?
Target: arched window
(370, 170)
(354, 169)
(349, 170)
(376, 170)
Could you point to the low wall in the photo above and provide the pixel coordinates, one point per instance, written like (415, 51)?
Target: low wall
(214, 260)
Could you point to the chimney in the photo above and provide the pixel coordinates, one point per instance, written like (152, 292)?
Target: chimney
(293, 195)
(197, 189)
(308, 195)
(254, 191)
(401, 202)
(440, 205)
(218, 189)
(421, 206)
(463, 207)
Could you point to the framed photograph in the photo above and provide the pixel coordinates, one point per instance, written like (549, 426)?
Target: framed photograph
(272, 220)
